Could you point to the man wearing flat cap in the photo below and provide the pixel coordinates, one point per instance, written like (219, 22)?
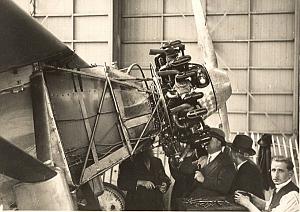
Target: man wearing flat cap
(248, 177)
(216, 171)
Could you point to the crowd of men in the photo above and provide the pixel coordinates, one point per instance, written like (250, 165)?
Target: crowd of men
(223, 169)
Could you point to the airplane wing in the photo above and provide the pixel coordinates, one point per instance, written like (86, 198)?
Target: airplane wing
(17, 164)
(23, 41)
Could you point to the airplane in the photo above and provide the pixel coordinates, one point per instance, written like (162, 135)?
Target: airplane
(65, 122)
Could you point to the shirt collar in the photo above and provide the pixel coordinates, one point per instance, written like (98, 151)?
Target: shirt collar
(280, 186)
(239, 166)
(214, 155)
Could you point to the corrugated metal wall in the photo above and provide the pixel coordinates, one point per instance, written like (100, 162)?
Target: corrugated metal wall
(255, 41)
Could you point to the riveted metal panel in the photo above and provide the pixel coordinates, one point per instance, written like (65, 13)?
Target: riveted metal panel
(52, 194)
(75, 100)
(16, 119)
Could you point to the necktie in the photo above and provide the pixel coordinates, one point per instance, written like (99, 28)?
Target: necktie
(274, 200)
(208, 159)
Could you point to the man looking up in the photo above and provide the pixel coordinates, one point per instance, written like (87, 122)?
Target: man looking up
(285, 196)
(217, 171)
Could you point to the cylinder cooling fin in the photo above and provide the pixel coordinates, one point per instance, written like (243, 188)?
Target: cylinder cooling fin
(188, 93)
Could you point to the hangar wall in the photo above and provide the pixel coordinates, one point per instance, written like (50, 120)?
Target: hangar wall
(85, 26)
(256, 41)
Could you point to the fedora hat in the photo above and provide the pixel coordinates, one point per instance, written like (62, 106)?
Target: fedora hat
(242, 144)
(218, 134)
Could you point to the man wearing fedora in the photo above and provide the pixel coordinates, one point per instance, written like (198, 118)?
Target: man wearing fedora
(248, 177)
(216, 171)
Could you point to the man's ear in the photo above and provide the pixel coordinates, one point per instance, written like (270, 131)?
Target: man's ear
(291, 173)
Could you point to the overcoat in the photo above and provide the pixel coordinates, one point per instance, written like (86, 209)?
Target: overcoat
(184, 177)
(249, 178)
(138, 197)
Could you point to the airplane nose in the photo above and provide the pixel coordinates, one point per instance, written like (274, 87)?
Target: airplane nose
(221, 85)
(217, 92)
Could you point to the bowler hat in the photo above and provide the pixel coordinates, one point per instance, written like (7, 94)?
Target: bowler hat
(242, 144)
(218, 134)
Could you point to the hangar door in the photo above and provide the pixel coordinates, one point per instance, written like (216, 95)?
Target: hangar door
(256, 41)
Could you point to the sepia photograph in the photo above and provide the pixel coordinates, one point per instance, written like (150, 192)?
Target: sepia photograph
(149, 105)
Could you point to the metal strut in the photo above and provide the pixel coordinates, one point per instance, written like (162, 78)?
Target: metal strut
(122, 129)
(98, 187)
(91, 139)
(147, 124)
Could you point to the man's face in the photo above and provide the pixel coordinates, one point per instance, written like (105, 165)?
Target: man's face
(279, 172)
(213, 146)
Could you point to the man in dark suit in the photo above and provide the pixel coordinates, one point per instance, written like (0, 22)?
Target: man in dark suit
(183, 174)
(145, 180)
(216, 171)
(248, 177)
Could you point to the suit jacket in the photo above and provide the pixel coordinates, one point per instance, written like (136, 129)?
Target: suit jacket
(184, 177)
(248, 178)
(218, 177)
(140, 198)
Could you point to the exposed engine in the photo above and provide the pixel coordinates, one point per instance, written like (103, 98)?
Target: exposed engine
(181, 87)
